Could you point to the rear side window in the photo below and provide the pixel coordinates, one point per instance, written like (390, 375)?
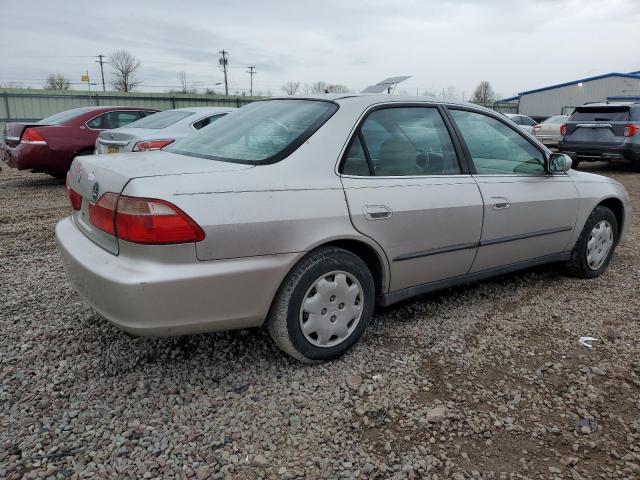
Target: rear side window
(495, 148)
(528, 121)
(403, 141)
(206, 121)
(555, 120)
(600, 114)
(161, 119)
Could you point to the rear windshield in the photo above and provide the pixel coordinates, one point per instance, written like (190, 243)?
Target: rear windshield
(600, 114)
(63, 117)
(161, 119)
(261, 132)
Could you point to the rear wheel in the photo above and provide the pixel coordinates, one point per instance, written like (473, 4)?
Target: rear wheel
(323, 306)
(593, 251)
(635, 164)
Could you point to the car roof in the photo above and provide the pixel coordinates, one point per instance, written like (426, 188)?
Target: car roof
(202, 109)
(366, 99)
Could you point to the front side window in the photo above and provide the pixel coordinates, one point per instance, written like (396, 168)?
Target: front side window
(495, 148)
(261, 132)
(403, 141)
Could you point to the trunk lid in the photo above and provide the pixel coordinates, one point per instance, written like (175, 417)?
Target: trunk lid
(603, 125)
(94, 175)
(120, 140)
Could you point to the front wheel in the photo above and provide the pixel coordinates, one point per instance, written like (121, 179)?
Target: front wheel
(593, 251)
(323, 306)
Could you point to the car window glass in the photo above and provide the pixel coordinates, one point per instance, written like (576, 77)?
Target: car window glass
(409, 141)
(206, 121)
(495, 148)
(124, 118)
(161, 119)
(528, 121)
(516, 119)
(600, 114)
(99, 122)
(356, 163)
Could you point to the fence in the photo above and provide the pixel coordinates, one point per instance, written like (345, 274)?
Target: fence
(25, 105)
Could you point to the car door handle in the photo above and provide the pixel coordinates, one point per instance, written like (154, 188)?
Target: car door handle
(377, 212)
(500, 203)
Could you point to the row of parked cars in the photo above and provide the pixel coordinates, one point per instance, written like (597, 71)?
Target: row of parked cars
(51, 144)
(304, 214)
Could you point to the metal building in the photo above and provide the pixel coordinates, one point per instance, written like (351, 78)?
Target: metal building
(562, 98)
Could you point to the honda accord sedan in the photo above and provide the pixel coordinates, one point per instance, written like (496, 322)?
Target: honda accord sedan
(305, 214)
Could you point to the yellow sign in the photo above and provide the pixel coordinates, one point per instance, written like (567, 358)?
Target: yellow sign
(84, 78)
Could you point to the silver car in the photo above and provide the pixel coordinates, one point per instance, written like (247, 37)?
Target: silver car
(158, 130)
(525, 123)
(304, 214)
(548, 132)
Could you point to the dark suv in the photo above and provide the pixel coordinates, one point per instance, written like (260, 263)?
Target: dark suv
(603, 132)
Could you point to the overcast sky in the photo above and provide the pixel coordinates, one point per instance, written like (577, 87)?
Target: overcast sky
(515, 44)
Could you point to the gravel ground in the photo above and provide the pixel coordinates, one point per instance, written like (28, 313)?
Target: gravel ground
(486, 381)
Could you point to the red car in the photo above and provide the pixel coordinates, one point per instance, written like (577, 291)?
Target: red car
(50, 144)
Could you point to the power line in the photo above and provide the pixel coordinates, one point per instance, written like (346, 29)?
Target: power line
(101, 62)
(224, 61)
(251, 72)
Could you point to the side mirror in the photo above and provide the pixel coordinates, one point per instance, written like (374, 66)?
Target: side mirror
(559, 163)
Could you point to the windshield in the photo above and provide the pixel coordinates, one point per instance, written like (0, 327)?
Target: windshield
(261, 132)
(62, 117)
(161, 119)
(601, 114)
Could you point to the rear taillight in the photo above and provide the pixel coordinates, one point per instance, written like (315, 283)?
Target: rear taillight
(102, 213)
(143, 220)
(536, 128)
(563, 129)
(74, 197)
(30, 135)
(630, 130)
(151, 145)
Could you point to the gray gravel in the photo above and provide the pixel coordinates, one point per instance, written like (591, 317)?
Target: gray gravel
(485, 381)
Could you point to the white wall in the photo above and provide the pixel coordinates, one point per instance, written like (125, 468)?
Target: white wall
(550, 102)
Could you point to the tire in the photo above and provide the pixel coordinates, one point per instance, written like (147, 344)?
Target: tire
(635, 165)
(339, 275)
(579, 265)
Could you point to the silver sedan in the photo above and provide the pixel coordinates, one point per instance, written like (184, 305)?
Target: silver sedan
(304, 214)
(156, 131)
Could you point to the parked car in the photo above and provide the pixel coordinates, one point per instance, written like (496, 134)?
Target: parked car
(604, 131)
(525, 123)
(50, 144)
(548, 131)
(306, 213)
(159, 130)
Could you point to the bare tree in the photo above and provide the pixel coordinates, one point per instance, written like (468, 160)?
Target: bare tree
(324, 87)
(483, 93)
(182, 78)
(125, 67)
(291, 88)
(57, 81)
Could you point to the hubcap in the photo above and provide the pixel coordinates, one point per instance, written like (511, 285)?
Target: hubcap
(599, 244)
(331, 309)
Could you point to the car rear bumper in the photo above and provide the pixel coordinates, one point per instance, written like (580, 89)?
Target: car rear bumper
(157, 297)
(549, 139)
(39, 158)
(595, 152)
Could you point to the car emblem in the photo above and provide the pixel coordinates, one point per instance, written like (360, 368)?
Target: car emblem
(96, 191)
(78, 173)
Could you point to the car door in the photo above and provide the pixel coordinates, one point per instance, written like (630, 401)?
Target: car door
(406, 189)
(528, 214)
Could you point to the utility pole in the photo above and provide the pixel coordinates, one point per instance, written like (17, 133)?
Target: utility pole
(224, 61)
(251, 72)
(101, 62)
